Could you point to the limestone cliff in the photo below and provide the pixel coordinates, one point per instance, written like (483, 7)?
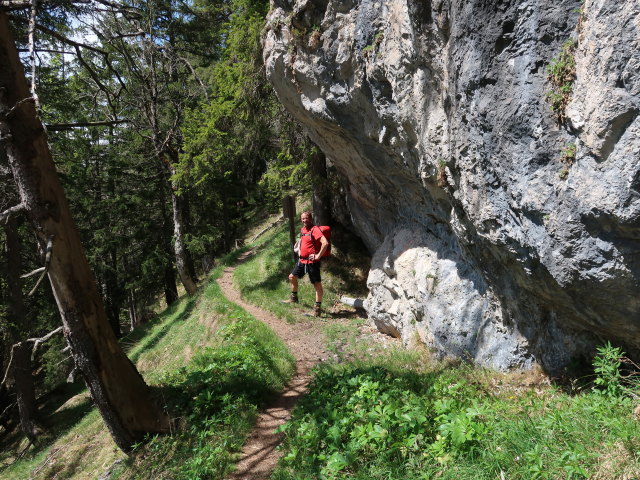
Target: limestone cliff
(503, 231)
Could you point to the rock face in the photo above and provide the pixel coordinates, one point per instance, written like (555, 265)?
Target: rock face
(503, 232)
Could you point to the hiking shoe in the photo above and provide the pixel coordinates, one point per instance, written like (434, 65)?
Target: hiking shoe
(317, 311)
(292, 299)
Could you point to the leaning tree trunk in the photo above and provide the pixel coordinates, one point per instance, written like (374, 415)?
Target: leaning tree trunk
(118, 390)
(21, 369)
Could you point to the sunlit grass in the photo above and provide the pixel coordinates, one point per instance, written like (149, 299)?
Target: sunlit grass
(194, 329)
(456, 421)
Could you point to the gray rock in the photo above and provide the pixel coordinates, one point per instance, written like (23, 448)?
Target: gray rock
(488, 244)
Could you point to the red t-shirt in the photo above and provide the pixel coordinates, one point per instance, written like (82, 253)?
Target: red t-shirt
(309, 242)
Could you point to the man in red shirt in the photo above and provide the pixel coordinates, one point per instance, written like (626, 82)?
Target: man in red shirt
(312, 246)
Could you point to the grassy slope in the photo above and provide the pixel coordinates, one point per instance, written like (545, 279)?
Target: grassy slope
(183, 352)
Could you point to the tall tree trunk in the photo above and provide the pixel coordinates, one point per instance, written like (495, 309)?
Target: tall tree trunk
(321, 199)
(226, 230)
(170, 288)
(186, 217)
(21, 371)
(133, 311)
(117, 388)
(22, 374)
(179, 246)
(113, 291)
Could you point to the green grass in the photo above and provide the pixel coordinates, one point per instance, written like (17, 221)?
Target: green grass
(211, 364)
(216, 398)
(397, 417)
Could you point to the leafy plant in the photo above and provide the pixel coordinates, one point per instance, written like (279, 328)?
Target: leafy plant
(606, 366)
(561, 72)
(567, 158)
(377, 40)
(353, 417)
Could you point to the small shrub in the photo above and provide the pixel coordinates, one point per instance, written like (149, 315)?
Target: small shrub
(561, 73)
(377, 40)
(606, 366)
(569, 154)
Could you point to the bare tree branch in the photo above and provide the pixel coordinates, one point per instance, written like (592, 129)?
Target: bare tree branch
(9, 365)
(46, 50)
(58, 127)
(47, 262)
(10, 113)
(12, 5)
(36, 343)
(4, 216)
(31, 274)
(60, 37)
(195, 75)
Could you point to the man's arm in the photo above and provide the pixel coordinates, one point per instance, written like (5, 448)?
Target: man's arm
(324, 243)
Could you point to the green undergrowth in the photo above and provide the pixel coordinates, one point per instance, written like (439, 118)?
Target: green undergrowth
(211, 365)
(215, 398)
(376, 419)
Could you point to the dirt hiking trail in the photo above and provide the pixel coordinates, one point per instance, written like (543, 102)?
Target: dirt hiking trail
(305, 340)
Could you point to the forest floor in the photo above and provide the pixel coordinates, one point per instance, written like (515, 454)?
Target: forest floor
(307, 342)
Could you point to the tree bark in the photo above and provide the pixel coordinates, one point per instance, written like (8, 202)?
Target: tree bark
(182, 261)
(170, 288)
(117, 388)
(180, 248)
(186, 217)
(22, 374)
(321, 199)
(21, 371)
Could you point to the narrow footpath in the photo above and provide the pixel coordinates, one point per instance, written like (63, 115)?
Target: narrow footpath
(306, 343)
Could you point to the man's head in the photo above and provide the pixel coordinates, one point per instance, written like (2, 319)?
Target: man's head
(307, 219)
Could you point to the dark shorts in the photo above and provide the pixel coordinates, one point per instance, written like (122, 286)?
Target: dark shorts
(313, 269)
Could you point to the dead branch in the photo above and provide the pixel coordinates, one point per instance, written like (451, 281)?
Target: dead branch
(9, 365)
(47, 262)
(12, 5)
(31, 274)
(94, 76)
(6, 215)
(46, 50)
(36, 343)
(195, 75)
(72, 375)
(268, 227)
(58, 127)
(4, 412)
(57, 36)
